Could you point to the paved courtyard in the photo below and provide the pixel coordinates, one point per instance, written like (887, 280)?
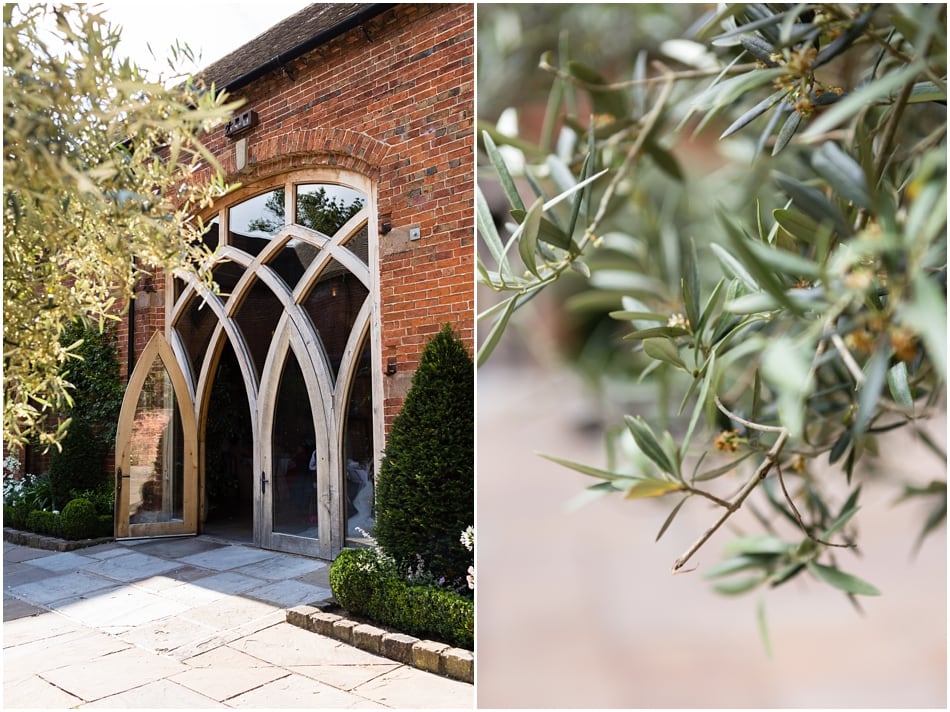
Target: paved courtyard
(186, 623)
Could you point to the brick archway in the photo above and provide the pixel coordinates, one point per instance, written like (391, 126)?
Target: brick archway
(343, 148)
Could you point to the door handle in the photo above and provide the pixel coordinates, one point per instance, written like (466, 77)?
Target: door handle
(263, 483)
(118, 482)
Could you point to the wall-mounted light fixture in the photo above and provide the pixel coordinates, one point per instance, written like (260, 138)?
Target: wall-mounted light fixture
(391, 366)
(240, 123)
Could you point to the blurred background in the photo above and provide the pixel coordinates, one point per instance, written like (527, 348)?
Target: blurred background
(577, 606)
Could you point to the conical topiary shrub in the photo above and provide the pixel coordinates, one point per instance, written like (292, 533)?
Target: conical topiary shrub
(426, 488)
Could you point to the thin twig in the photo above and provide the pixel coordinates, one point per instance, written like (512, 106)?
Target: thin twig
(748, 423)
(647, 128)
(708, 495)
(856, 373)
(798, 516)
(771, 458)
(646, 81)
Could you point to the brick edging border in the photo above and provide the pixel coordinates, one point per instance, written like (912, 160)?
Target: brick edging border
(50, 543)
(428, 655)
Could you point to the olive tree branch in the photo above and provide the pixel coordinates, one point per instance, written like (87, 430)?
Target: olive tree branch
(649, 121)
(798, 516)
(771, 459)
(646, 81)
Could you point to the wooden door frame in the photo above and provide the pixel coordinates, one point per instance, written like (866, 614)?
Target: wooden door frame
(157, 348)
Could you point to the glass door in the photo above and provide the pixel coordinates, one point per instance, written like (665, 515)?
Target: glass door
(156, 449)
(294, 496)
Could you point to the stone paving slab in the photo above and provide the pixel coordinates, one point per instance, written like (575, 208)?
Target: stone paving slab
(14, 554)
(124, 606)
(282, 567)
(37, 657)
(63, 561)
(14, 608)
(56, 588)
(228, 557)
(37, 628)
(177, 548)
(105, 675)
(228, 582)
(229, 612)
(167, 634)
(399, 688)
(33, 692)
(131, 566)
(285, 644)
(345, 677)
(19, 574)
(161, 694)
(299, 692)
(289, 593)
(222, 682)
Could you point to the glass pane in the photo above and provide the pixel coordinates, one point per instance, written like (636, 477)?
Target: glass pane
(196, 325)
(332, 304)
(255, 221)
(257, 316)
(294, 477)
(358, 451)
(157, 453)
(226, 275)
(210, 239)
(359, 245)
(326, 208)
(229, 452)
(291, 261)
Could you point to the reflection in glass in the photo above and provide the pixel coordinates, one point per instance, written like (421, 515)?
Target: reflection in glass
(257, 315)
(332, 305)
(291, 261)
(326, 208)
(157, 452)
(294, 477)
(359, 245)
(256, 220)
(358, 450)
(196, 325)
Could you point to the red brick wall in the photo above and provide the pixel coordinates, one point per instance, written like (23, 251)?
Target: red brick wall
(393, 100)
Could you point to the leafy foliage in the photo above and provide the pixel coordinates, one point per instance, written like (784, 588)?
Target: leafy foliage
(365, 582)
(788, 310)
(103, 172)
(426, 487)
(97, 392)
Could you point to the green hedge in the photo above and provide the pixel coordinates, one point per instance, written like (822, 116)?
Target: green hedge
(367, 584)
(43, 522)
(79, 520)
(15, 515)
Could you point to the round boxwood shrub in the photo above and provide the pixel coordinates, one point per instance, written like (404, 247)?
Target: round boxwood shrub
(426, 487)
(368, 583)
(43, 522)
(79, 519)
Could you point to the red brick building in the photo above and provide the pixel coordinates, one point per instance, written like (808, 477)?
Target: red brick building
(262, 412)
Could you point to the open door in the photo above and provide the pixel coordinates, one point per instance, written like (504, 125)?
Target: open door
(156, 449)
